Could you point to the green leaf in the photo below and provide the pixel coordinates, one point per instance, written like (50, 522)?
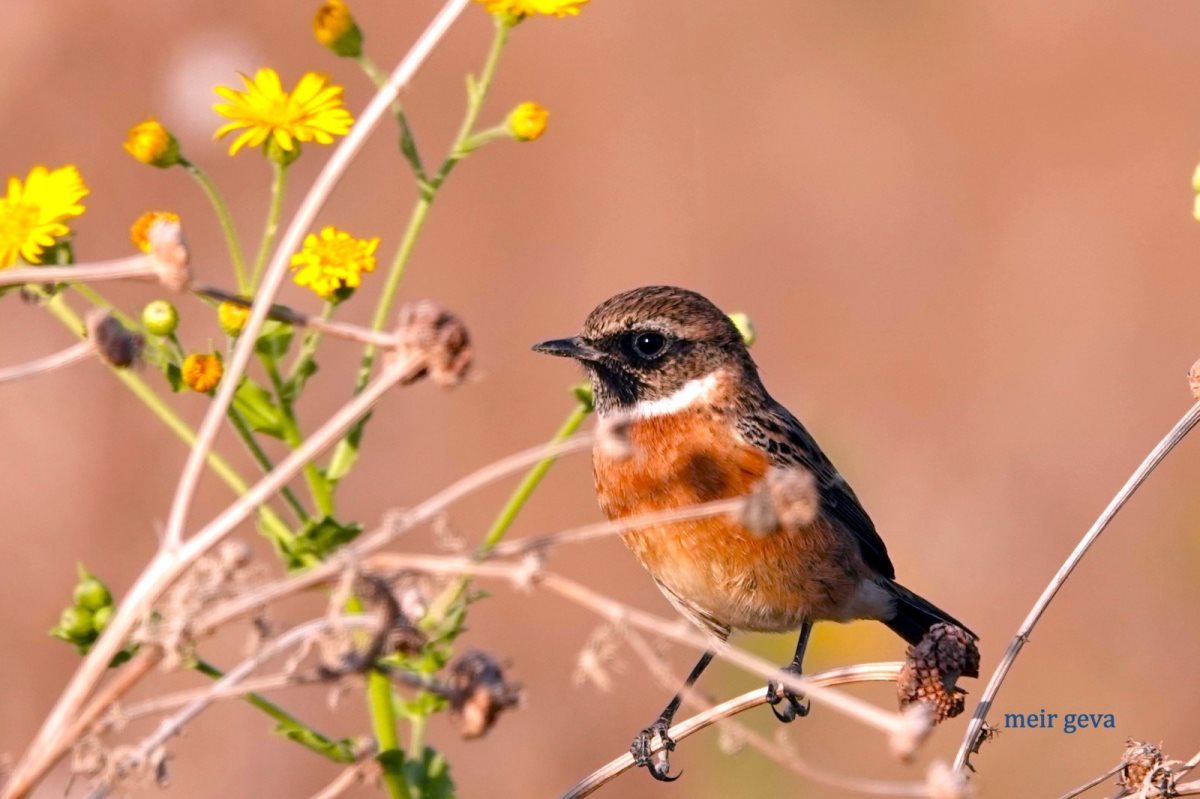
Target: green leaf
(317, 539)
(174, 376)
(346, 452)
(274, 339)
(430, 776)
(340, 751)
(295, 384)
(256, 406)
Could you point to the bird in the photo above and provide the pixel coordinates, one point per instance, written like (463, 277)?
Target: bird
(674, 371)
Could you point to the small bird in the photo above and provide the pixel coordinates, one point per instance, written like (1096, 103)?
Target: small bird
(674, 370)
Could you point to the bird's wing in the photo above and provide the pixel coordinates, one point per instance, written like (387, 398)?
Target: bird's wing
(787, 443)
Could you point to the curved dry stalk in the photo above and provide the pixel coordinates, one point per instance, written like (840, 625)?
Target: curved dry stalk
(1160, 451)
(865, 672)
(282, 313)
(134, 266)
(73, 354)
(349, 777)
(288, 243)
(172, 725)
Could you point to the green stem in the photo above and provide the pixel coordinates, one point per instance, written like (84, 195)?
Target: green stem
(223, 216)
(292, 727)
(298, 374)
(278, 183)
(318, 485)
(272, 523)
(382, 708)
(508, 514)
(408, 144)
(346, 450)
(264, 461)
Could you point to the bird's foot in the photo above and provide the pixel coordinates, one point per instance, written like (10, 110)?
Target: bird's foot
(793, 704)
(658, 763)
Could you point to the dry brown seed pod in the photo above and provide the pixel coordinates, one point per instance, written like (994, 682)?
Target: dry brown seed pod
(114, 343)
(434, 340)
(169, 253)
(932, 668)
(478, 693)
(784, 499)
(1140, 759)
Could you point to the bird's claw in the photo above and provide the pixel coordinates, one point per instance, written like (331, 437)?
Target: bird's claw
(657, 763)
(796, 706)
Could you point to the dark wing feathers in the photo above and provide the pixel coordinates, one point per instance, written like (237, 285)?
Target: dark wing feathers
(787, 443)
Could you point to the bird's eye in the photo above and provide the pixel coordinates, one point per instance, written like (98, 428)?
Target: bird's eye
(648, 344)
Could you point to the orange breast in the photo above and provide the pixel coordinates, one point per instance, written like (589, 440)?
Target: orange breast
(714, 569)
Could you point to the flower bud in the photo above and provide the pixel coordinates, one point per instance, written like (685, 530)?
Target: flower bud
(528, 121)
(90, 592)
(232, 316)
(335, 28)
(160, 318)
(152, 144)
(75, 625)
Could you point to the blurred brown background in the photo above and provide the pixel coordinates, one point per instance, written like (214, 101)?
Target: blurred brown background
(964, 232)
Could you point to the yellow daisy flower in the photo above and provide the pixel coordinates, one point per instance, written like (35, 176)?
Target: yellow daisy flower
(311, 112)
(528, 121)
(33, 213)
(202, 372)
(139, 231)
(333, 260)
(524, 8)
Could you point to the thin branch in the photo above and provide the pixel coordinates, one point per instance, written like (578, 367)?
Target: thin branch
(1164, 447)
(133, 266)
(1087, 786)
(282, 313)
(349, 777)
(73, 354)
(171, 726)
(865, 672)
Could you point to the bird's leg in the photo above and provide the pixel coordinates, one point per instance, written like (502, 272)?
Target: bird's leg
(776, 693)
(640, 748)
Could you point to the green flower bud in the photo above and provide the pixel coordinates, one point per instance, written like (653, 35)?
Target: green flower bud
(160, 318)
(101, 618)
(335, 28)
(75, 625)
(582, 392)
(91, 593)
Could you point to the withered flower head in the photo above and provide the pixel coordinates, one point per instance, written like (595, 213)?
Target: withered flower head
(478, 693)
(117, 345)
(433, 342)
(933, 667)
(1142, 760)
(169, 252)
(784, 499)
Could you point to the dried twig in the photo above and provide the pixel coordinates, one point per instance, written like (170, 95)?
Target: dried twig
(133, 266)
(73, 354)
(1164, 447)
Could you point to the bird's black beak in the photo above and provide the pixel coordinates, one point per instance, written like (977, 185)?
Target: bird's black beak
(575, 348)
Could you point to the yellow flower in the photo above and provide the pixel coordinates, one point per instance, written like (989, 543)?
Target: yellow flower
(139, 231)
(202, 372)
(32, 213)
(333, 261)
(232, 317)
(312, 112)
(335, 28)
(523, 8)
(152, 144)
(528, 121)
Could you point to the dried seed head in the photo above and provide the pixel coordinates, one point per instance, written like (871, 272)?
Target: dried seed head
(943, 782)
(478, 693)
(783, 500)
(115, 344)
(1141, 760)
(933, 667)
(1194, 380)
(169, 253)
(433, 342)
(612, 436)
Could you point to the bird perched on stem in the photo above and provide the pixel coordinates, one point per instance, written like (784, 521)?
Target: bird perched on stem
(675, 370)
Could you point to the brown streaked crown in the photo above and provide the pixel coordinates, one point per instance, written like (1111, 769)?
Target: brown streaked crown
(647, 343)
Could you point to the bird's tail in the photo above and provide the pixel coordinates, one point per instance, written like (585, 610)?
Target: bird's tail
(915, 615)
